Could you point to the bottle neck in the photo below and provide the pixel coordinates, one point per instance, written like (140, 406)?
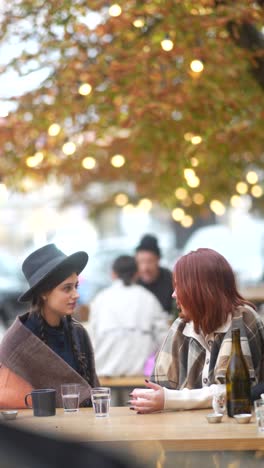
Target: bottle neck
(236, 346)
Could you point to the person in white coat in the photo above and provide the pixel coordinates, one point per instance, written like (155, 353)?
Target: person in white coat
(126, 323)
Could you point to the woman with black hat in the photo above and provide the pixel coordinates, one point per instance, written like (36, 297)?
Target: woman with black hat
(46, 347)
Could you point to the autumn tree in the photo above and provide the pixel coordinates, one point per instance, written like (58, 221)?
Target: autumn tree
(156, 99)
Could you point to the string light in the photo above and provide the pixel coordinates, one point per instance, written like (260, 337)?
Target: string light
(187, 221)
(196, 139)
(188, 136)
(121, 199)
(178, 214)
(191, 178)
(235, 201)
(193, 182)
(198, 198)
(181, 193)
(194, 162)
(34, 161)
(217, 207)
(189, 173)
(139, 23)
(187, 201)
(88, 163)
(145, 204)
(115, 10)
(85, 89)
(256, 191)
(69, 148)
(242, 188)
(118, 160)
(252, 177)
(167, 44)
(196, 66)
(54, 129)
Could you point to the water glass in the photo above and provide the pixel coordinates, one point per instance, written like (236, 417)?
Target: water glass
(259, 411)
(70, 394)
(101, 397)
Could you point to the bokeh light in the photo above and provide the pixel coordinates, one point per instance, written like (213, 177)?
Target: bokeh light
(118, 160)
(88, 162)
(115, 10)
(85, 89)
(217, 207)
(54, 129)
(196, 66)
(178, 214)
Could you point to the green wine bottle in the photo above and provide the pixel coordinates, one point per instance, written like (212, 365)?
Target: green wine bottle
(237, 379)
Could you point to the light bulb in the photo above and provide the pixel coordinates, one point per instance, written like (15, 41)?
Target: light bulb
(217, 207)
(85, 89)
(167, 44)
(121, 199)
(196, 66)
(88, 163)
(69, 148)
(115, 10)
(54, 129)
(178, 214)
(118, 160)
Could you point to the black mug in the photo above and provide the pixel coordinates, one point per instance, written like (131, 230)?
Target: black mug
(43, 402)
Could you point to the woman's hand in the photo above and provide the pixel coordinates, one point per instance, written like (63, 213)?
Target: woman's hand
(149, 400)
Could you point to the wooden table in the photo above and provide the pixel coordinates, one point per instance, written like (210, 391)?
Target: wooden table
(173, 431)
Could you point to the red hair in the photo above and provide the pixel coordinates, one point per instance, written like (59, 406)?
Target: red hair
(206, 288)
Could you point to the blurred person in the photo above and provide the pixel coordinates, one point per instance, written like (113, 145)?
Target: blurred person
(126, 323)
(46, 347)
(151, 275)
(192, 362)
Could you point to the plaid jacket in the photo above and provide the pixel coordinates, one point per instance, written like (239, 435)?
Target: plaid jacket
(181, 359)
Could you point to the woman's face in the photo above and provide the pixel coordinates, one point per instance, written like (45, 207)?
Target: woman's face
(61, 300)
(183, 313)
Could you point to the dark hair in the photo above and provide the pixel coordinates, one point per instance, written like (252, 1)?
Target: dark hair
(149, 243)
(80, 358)
(206, 287)
(125, 268)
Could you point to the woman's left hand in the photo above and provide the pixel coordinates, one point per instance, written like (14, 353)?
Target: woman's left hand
(146, 401)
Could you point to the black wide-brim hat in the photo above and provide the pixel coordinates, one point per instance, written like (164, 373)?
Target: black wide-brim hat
(48, 267)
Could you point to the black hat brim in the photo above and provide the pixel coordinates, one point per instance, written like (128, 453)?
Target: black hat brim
(74, 263)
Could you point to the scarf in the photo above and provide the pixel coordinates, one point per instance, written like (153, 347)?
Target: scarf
(25, 355)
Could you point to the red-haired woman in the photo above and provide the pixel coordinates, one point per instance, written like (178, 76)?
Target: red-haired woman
(191, 364)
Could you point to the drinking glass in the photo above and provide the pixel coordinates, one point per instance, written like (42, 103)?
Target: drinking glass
(70, 394)
(101, 397)
(259, 411)
(219, 399)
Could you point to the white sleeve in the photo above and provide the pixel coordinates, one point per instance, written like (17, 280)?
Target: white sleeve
(190, 398)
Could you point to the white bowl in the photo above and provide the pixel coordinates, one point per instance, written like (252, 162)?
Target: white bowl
(9, 414)
(262, 396)
(213, 418)
(243, 418)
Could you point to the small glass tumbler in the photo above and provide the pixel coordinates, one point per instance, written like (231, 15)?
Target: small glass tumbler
(101, 397)
(70, 394)
(259, 412)
(219, 400)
